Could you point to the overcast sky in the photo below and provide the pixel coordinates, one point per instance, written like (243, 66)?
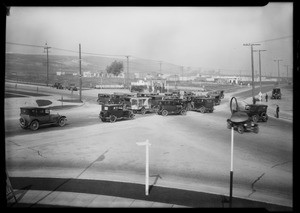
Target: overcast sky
(206, 37)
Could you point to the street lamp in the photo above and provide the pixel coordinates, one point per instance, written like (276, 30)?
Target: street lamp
(252, 68)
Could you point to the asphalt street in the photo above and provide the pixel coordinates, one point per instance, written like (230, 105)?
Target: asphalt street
(189, 152)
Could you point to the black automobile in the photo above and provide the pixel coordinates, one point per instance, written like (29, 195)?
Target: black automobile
(114, 112)
(171, 106)
(104, 98)
(276, 93)
(241, 122)
(34, 117)
(202, 104)
(58, 85)
(257, 112)
(216, 98)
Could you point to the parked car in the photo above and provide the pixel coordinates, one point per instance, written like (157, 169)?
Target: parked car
(138, 104)
(114, 112)
(257, 112)
(276, 93)
(172, 106)
(34, 117)
(72, 87)
(58, 85)
(202, 104)
(241, 122)
(104, 98)
(216, 98)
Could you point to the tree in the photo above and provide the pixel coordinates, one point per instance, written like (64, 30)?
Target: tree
(115, 68)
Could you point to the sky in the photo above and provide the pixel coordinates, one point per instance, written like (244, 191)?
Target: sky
(196, 37)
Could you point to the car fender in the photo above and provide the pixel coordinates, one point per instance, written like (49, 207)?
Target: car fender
(62, 116)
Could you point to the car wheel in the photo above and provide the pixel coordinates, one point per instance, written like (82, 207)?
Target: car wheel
(202, 109)
(143, 111)
(23, 123)
(183, 112)
(34, 125)
(131, 116)
(62, 122)
(264, 117)
(113, 118)
(256, 130)
(255, 118)
(164, 112)
(240, 129)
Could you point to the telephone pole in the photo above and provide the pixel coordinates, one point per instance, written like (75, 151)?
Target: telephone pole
(259, 66)
(47, 50)
(278, 60)
(287, 70)
(127, 79)
(252, 68)
(80, 75)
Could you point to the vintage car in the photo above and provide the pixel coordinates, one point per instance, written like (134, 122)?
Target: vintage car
(113, 112)
(58, 85)
(276, 93)
(138, 104)
(104, 98)
(216, 97)
(241, 122)
(72, 87)
(34, 117)
(202, 104)
(257, 112)
(172, 106)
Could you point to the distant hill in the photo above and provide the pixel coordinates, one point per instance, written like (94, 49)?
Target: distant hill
(31, 64)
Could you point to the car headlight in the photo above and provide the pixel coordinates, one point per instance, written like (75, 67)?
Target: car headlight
(245, 124)
(252, 124)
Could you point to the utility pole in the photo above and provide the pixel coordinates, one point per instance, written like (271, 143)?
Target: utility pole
(287, 70)
(278, 69)
(259, 67)
(252, 68)
(160, 67)
(47, 50)
(127, 79)
(80, 75)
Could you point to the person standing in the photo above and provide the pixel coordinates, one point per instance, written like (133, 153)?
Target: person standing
(277, 111)
(266, 97)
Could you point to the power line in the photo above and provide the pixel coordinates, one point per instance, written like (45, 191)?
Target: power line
(274, 39)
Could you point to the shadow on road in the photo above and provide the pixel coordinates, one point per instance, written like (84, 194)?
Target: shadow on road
(136, 191)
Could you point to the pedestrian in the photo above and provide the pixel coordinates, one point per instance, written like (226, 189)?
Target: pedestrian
(277, 111)
(266, 97)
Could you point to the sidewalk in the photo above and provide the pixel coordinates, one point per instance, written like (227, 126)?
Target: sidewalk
(59, 192)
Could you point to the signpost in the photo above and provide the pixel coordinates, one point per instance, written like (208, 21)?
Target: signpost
(147, 144)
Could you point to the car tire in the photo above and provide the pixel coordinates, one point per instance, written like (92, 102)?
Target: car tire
(131, 116)
(164, 112)
(143, 111)
(62, 122)
(240, 129)
(264, 117)
(256, 130)
(202, 109)
(23, 123)
(183, 112)
(113, 119)
(255, 118)
(34, 125)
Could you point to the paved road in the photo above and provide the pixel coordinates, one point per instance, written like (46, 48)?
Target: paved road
(189, 152)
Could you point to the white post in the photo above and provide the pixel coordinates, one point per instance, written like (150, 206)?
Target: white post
(147, 144)
(231, 169)
(231, 159)
(147, 169)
